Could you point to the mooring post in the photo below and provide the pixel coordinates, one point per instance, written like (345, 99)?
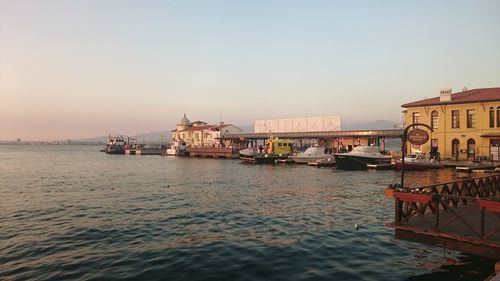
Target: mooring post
(399, 211)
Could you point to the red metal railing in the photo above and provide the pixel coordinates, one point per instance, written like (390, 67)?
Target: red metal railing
(455, 208)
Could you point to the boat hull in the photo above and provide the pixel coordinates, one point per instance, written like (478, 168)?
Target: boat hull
(416, 166)
(116, 150)
(349, 162)
(262, 159)
(323, 162)
(305, 160)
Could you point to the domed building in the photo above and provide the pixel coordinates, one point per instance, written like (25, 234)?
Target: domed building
(201, 134)
(183, 124)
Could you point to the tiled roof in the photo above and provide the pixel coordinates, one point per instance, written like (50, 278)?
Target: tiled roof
(201, 128)
(197, 128)
(470, 96)
(204, 127)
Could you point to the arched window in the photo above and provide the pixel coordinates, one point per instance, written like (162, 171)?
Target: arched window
(471, 148)
(498, 116)
(434, 119)
(492, 117)
(455, 146)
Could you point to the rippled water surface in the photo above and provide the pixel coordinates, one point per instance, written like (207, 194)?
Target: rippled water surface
(73, 213)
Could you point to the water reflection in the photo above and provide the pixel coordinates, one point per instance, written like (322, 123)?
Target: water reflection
(135, 217)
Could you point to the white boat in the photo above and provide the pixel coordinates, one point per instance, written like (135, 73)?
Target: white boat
(249, 152)
(418, 162)
(177, 148)
(362, 158)
(311, 154)
(326, 161)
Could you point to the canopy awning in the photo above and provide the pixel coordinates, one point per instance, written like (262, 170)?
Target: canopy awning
(491, 135)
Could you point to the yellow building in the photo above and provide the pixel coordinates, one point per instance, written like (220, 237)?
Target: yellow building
(466, 124)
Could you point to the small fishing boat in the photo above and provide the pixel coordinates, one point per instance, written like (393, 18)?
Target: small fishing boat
(418, 162)
(361, 158)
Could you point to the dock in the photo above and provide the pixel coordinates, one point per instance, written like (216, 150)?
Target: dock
(285, 161)
(380, 166)
(214, 152)
(462, 215)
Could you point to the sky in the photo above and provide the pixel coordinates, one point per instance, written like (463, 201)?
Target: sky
(78, 69)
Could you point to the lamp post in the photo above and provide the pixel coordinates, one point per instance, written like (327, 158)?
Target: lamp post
(405, 138)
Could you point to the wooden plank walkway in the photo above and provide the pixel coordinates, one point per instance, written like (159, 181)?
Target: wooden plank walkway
(462, 215)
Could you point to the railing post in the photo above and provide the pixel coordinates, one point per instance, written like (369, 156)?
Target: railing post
(482, 222)
(436, 199)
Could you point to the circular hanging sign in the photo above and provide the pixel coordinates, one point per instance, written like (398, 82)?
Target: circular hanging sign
(418, 137)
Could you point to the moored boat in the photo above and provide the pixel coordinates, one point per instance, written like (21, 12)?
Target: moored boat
(418, 162)
(326, 161)
(274, 150)
(177, 148)
(361, 158)
(142, 149)
(116, 144)
(311, 154)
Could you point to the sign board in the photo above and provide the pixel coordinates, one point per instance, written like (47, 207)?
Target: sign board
(418, 137)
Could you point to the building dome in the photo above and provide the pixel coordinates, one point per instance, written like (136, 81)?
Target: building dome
(184, 121)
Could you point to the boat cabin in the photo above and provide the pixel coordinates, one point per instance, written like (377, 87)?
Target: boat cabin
(279, 146)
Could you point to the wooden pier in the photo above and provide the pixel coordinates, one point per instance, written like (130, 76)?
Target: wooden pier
(335, 140)
(214, 152)
(462, 215)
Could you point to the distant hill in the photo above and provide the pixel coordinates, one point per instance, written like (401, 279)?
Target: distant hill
(247, 128)
(154, 137)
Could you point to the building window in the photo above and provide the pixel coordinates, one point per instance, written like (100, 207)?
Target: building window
(455, 146)
(434, 119)
(471, 148)
(498, 116)
(492, 117)
(455, 119)
(471, 118)
(416, 117)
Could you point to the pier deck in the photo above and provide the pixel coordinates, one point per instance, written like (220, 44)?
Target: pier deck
(462, 215)
(397, 133)
(213, 152)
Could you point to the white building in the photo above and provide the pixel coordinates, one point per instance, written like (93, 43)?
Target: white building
(201, 134)
(305, 124)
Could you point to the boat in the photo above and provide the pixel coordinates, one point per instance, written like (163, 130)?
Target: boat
(116, 144)
(274, 149)
(326, 161)
(361, 158)
(418, 162)
(142, 149)
(311, 154)
(248, 152)
(177, 148)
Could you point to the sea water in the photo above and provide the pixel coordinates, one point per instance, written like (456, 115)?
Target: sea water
(69, 212)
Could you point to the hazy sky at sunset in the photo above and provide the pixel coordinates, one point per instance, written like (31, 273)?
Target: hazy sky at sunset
(76, 69)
